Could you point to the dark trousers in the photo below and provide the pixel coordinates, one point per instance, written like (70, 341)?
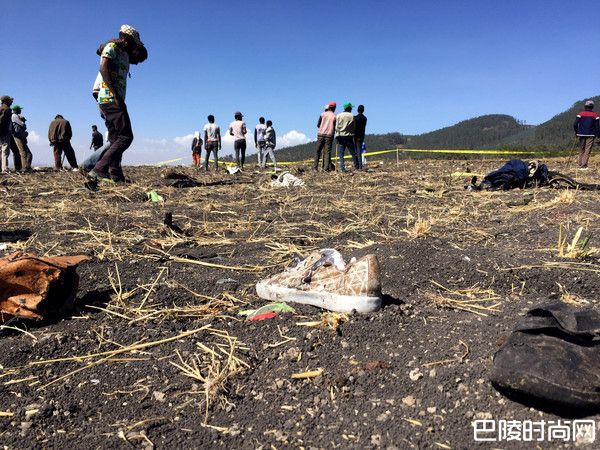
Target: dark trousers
(347, 142)
(16, 154)
(59, 148)
(25, 156)
(324, 144)
(358, 143)
(120, 136)
(240, 152)
(585, 143)
(212, 147)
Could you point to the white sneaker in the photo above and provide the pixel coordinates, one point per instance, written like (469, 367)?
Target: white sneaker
(324, 280)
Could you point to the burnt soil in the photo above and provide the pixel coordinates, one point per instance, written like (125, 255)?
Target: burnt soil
(412, 375)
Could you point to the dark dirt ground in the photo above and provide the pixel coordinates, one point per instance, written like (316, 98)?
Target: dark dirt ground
(413, 375)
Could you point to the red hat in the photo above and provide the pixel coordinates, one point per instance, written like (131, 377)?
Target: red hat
(332, 105)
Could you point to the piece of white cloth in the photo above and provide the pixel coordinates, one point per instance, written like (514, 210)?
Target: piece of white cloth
(286, 179)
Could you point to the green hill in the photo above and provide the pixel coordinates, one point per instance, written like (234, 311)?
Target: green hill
(493, 131)
(482, 132)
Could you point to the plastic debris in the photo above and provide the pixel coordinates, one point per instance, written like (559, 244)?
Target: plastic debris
(264, 316)
(267, 309)
(154, 197)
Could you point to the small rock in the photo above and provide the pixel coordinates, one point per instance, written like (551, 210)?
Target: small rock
(159, 396)
(382, 417)
(409, 400)
(376, 440)
(483, 415)
(221, 281)
(415, 374)
(432, 373)
(431, 410)
(292, 353)
(25, 426)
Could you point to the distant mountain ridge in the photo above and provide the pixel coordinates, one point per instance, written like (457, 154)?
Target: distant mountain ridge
(488, 132)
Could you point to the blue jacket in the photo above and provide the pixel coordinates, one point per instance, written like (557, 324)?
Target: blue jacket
(587, 124)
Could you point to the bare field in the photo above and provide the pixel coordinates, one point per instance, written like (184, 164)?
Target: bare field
(157, 354)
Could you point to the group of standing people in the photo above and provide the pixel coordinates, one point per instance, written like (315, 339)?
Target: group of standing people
(350, 130)
(13, 136)
(265, 141)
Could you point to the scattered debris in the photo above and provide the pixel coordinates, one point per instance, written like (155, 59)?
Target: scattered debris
(180, 180)
(37, 288)
(271, 308)
(168, 222)
(323, 279)
(154, 197)
(14, 235)
(552, 359)
(330, 320)
(286, 179)
(308, 374)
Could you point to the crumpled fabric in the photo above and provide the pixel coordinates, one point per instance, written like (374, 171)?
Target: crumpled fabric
(37, 288)
(286, 179)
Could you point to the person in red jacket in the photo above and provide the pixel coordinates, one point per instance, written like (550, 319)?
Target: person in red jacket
(587, 128)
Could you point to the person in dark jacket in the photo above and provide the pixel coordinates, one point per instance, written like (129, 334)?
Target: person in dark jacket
(97, 139)
(587, 128)
(59, 135)
(360, 125)
(5, 121)
(19, 135)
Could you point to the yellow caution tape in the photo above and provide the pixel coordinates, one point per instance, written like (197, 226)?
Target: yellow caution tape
(162, 163)
(458, 151)
(399, 150)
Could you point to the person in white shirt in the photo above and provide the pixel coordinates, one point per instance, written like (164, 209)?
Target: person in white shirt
(238, 130)
(259, 138)
(212, 141)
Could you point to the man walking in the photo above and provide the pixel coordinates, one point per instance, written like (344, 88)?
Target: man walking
(111, 87)
(238, 130)
(59, 135)
(587, 128)
(19, 134)
(212, 141)
(360, 125)
(259, 139)
(344, 128)
(325, 133)
(97, 139)
(270, 143)
(5, 121)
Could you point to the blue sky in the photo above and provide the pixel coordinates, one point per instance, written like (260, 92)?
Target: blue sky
(416, 66)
